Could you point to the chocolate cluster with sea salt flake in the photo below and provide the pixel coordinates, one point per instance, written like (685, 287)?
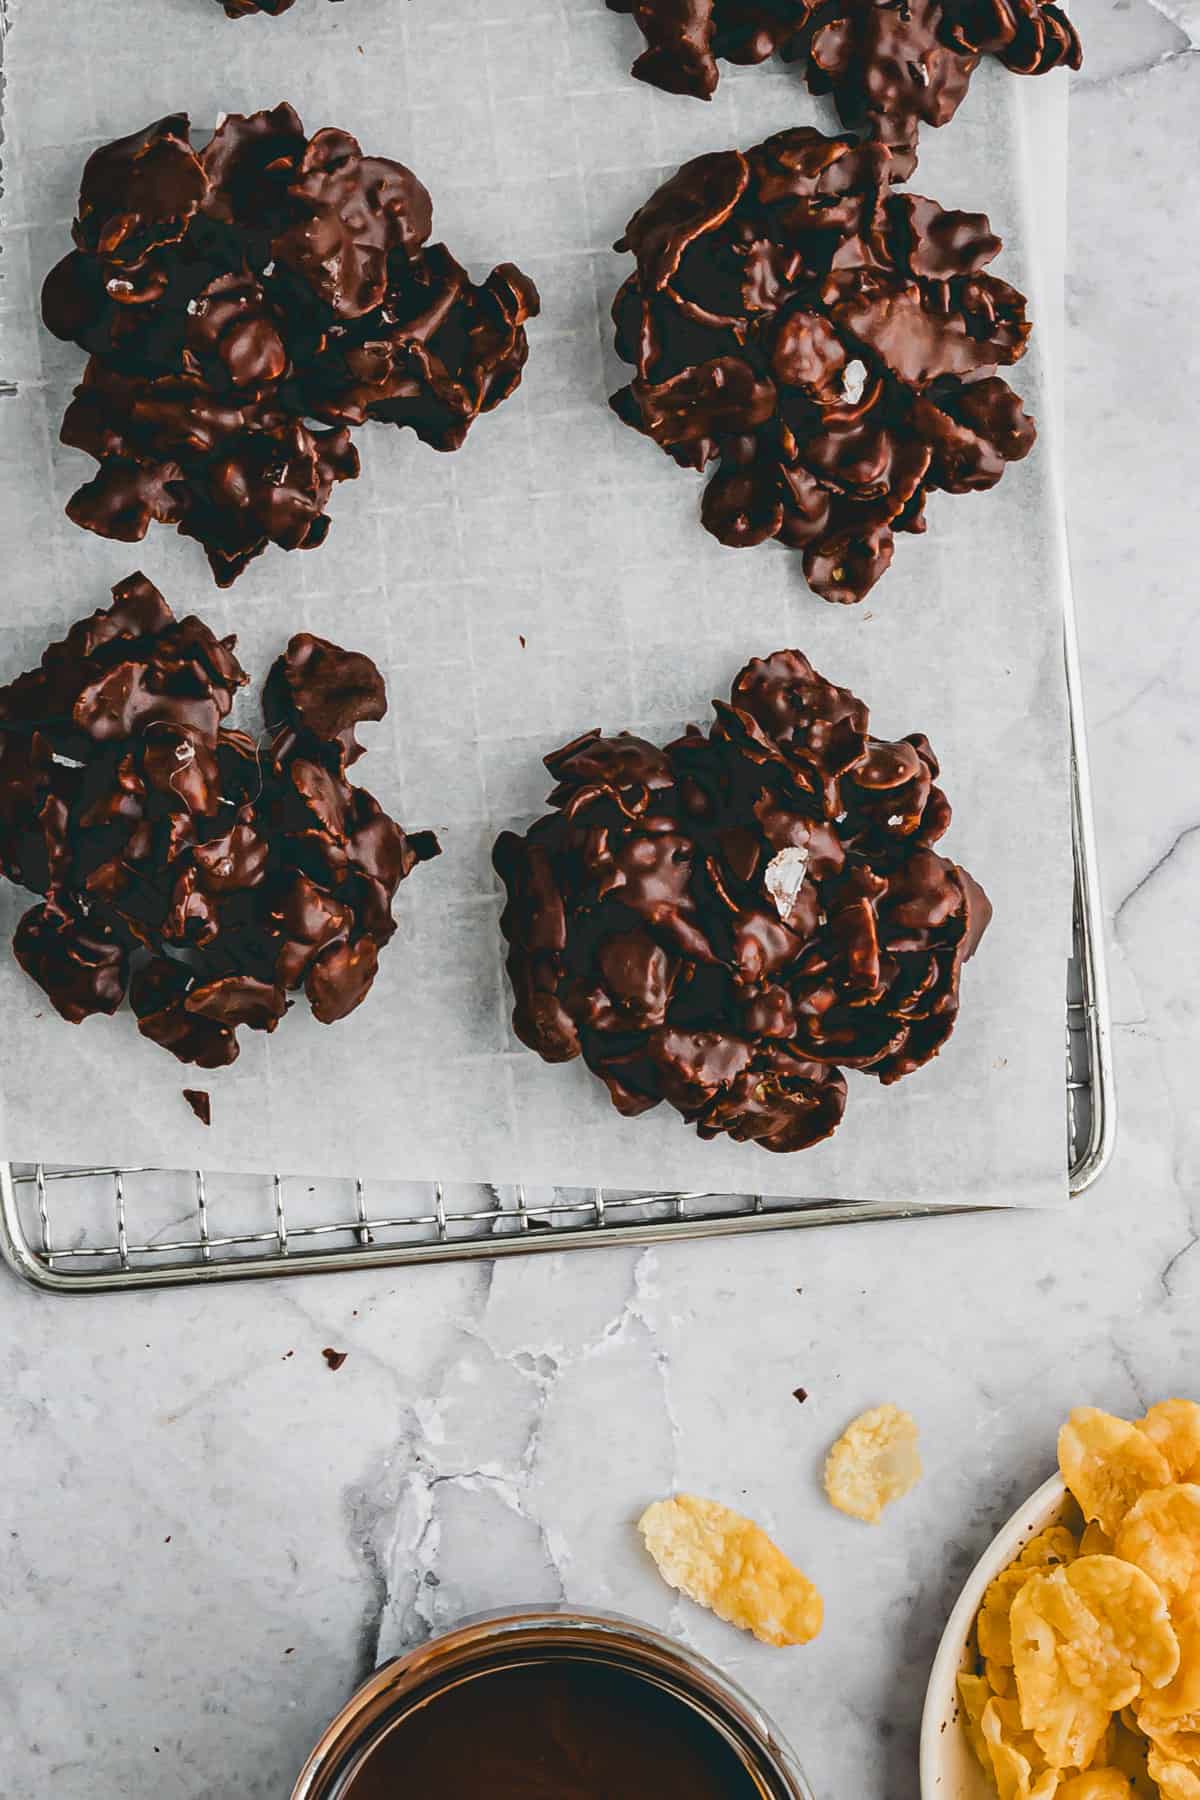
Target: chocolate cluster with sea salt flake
(203, 872)
(729, 923)
(245, 306)
(891, 68)
(827, 343)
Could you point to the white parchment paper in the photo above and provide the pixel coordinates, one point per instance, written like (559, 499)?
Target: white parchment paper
(550, 577)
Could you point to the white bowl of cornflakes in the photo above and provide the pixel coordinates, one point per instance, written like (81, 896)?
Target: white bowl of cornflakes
(949, 1769)
(1070, 1666)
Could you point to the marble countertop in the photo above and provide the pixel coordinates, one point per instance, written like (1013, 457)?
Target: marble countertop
(209, 1538)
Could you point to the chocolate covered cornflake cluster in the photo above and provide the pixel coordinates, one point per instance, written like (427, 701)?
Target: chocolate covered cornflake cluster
(729, 923)
(891, 65)
(205, 873)
(828, 343)
(231, 296)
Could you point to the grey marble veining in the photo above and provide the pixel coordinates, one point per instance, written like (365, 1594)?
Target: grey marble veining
(209, 1537)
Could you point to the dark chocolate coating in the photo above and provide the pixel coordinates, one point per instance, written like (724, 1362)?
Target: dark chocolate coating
(891, 68)
(242, 9)
(204, 873)
(764, 282)
(229, 297)
(729, 923)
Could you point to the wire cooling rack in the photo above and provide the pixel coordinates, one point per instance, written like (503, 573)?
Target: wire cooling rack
(74, 1230)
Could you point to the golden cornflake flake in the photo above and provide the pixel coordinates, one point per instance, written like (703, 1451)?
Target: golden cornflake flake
(1161, 1534)
(874, 1462)
(1176, 1780)
(1045, 1551)
(1086, 1639)
(1174, 1426)
(1018, 1768)
(729, 1564)
(1108, 1464)
(1095, 1784)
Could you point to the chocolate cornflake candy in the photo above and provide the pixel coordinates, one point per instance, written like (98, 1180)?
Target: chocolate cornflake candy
(890, 67)
(234, 300)
(729, 923)
(828, 343)
(205, 873)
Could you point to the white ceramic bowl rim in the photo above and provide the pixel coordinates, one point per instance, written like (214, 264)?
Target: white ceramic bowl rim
(943, 1741)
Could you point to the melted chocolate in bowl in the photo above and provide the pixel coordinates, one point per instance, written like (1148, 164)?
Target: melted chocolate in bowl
(571, 1729)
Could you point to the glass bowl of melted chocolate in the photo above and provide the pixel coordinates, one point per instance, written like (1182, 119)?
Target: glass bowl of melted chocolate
(551, 1705)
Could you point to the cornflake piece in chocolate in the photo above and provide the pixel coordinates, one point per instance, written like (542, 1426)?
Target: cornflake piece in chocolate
(243, 307)
(205, 873)
(890, 68)
(647, 934)
(827, 343)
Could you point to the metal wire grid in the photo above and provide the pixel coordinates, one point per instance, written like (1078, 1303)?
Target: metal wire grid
(69, 1229)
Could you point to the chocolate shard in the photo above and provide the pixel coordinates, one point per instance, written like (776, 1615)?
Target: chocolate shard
(729, 923)
(242, 307)
(200, 1102)
(822, 345)
(206, 873)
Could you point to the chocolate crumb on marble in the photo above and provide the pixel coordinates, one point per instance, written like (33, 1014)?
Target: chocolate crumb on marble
(334, 1358)
(728, 923)
(826, 345)
(890, 68)
(203, 872)
(200, 1102)
(244, 307)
